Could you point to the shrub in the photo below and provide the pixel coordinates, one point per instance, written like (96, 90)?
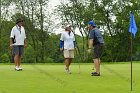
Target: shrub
(5, 58)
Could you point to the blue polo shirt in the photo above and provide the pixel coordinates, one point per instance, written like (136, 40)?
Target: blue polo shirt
(97, 37)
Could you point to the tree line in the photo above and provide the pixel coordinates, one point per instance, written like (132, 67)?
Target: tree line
(111, 17)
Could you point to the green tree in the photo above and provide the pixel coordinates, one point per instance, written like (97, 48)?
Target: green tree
(110, 16)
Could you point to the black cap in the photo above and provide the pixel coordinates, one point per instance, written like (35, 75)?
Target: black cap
(19, 20)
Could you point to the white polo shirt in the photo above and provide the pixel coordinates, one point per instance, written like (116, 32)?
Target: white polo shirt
(68, 40)
(19, 34)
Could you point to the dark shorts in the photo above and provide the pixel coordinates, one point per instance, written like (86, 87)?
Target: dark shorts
(98, 50)
(18, 50)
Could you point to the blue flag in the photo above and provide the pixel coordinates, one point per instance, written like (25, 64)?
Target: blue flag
(133, 27)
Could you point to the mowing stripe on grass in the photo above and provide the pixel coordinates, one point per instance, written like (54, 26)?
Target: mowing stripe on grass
(58, 80)
(119, 75)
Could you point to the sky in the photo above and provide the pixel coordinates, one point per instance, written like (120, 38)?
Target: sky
(51, 7)
(53, 3)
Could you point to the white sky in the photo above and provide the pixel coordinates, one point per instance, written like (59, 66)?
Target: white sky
(51, 7)
(53, 3)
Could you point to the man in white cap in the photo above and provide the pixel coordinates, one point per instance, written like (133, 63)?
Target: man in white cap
(67, 45)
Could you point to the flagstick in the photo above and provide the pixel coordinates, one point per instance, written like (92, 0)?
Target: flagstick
(132, 29)
(131, 59)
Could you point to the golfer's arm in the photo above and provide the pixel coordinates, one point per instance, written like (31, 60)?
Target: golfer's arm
(11, 41)
(25, 41)
(90, 43)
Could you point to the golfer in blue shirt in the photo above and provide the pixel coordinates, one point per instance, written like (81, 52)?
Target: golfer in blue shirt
(95, 40)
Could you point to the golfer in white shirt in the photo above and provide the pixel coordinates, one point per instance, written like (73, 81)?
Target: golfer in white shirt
(17, 43)
(67, 45)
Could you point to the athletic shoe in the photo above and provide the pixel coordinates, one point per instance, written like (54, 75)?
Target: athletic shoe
(67, 71)
(95, 74)
(20, 68)
(17, 69)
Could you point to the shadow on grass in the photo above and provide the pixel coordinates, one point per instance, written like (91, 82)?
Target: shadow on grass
(119, 75)
(2, 92)
(51, 76)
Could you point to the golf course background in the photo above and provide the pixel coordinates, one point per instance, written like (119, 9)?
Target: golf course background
(43, 68)
(51, 78)
(43, 31)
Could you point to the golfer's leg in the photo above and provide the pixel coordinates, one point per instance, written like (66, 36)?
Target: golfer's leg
(97, 54)
(16, 60)
(71, 55)
(67, 63)
(97, 64)
(16, 53)
(70, 61)
(66, 56)
(21, 51)
(19, 60)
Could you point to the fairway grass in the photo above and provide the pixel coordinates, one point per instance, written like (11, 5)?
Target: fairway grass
(47, 78)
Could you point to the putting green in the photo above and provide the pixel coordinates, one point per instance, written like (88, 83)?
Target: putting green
(51, 78)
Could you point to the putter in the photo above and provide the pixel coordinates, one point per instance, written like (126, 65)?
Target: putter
(78, 53)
